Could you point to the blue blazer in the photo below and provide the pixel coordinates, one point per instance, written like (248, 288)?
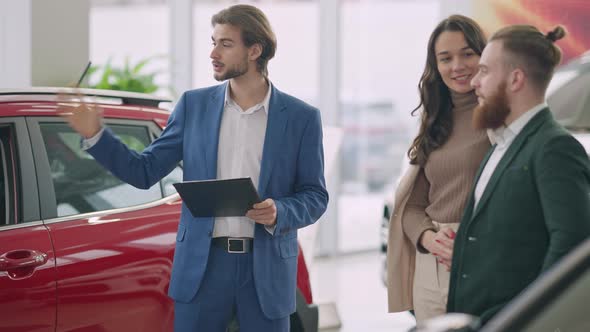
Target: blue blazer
(291, 173)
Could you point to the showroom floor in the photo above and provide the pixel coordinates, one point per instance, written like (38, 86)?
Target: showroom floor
(352, 297)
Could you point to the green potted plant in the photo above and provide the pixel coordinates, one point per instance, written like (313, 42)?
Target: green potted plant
(128, 78)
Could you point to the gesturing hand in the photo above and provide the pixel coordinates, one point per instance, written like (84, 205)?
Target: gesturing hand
(83, 117)
(264, 212)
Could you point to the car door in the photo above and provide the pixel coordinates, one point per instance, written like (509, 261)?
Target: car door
(114, 243)
(27, 260)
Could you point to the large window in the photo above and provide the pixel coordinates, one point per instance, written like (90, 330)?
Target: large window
(382, 55)
(82, 185)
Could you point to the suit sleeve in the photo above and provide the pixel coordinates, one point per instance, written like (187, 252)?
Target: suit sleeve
(310, 197)
(564, 185)
(142, 170)
(415, 221)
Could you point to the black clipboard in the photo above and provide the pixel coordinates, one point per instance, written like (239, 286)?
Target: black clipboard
(218, 198)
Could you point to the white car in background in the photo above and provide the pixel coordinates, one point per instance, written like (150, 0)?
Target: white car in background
(569, 97)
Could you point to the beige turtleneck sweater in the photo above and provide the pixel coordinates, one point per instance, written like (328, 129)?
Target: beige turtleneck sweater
(443, 185)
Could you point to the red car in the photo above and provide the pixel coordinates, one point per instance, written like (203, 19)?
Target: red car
(79, 249)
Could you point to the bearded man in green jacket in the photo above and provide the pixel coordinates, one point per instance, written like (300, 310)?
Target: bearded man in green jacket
(530, 203)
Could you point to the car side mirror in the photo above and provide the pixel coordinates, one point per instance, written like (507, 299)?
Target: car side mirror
(452, 322)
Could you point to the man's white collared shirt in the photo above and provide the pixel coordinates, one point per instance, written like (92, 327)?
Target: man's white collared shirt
(239, 154)
(502, 137)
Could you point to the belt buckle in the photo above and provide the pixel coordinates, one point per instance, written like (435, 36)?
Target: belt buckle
(229, 240)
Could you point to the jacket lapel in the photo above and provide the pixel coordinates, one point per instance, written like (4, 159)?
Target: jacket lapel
(513, 150)
(212, 123)
(273, 139)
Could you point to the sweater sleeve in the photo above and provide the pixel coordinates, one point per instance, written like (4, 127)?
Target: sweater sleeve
(415, 220)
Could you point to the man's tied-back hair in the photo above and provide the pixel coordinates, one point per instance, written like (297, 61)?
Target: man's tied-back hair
(532, 51)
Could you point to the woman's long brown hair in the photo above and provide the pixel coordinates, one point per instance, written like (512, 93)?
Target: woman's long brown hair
(436, 122)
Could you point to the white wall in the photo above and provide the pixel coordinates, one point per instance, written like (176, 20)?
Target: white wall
(15, 43)
(450, 7)
(59, 48)
(42, 43)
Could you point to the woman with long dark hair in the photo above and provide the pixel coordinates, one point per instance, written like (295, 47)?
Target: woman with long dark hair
(444, 158)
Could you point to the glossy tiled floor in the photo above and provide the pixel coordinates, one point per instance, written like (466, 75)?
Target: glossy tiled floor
(351, 284)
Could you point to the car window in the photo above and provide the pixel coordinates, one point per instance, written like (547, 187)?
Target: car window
(567, 312)
(3, 187)
(7, 177)
(81, 185)
(174, 177)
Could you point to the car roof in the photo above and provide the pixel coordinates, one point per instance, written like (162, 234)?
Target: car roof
(581, 62)
(41, 102)
(49, 94)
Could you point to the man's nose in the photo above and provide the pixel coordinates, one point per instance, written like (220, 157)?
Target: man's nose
(214, 54)
(474, 81)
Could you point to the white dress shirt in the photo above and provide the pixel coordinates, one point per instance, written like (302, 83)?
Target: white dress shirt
(502, 137)
(239, 154)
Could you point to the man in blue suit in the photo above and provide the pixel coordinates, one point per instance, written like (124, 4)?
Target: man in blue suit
(243, 266)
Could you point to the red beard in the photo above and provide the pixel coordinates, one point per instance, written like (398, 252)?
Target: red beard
(493, 112)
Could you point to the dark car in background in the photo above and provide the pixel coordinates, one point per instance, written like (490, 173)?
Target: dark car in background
(79, 249)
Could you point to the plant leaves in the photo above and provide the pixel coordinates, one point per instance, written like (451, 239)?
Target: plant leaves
(127, 78)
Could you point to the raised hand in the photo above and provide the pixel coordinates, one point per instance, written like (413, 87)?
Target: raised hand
(83, 117)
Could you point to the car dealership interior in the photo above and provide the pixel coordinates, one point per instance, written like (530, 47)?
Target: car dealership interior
(358, 61)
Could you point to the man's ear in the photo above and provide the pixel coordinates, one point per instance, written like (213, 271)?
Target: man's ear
(516, 80)
(254, 52)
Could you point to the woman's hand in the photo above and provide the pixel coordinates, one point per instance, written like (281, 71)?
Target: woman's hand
(440, 244)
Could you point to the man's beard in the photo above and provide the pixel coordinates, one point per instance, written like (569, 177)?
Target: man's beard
(236, 71)
(493, 112)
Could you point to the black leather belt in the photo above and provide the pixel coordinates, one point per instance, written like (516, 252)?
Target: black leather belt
(234, 245)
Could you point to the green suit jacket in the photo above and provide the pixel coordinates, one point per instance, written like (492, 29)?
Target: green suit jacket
(534, 210)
